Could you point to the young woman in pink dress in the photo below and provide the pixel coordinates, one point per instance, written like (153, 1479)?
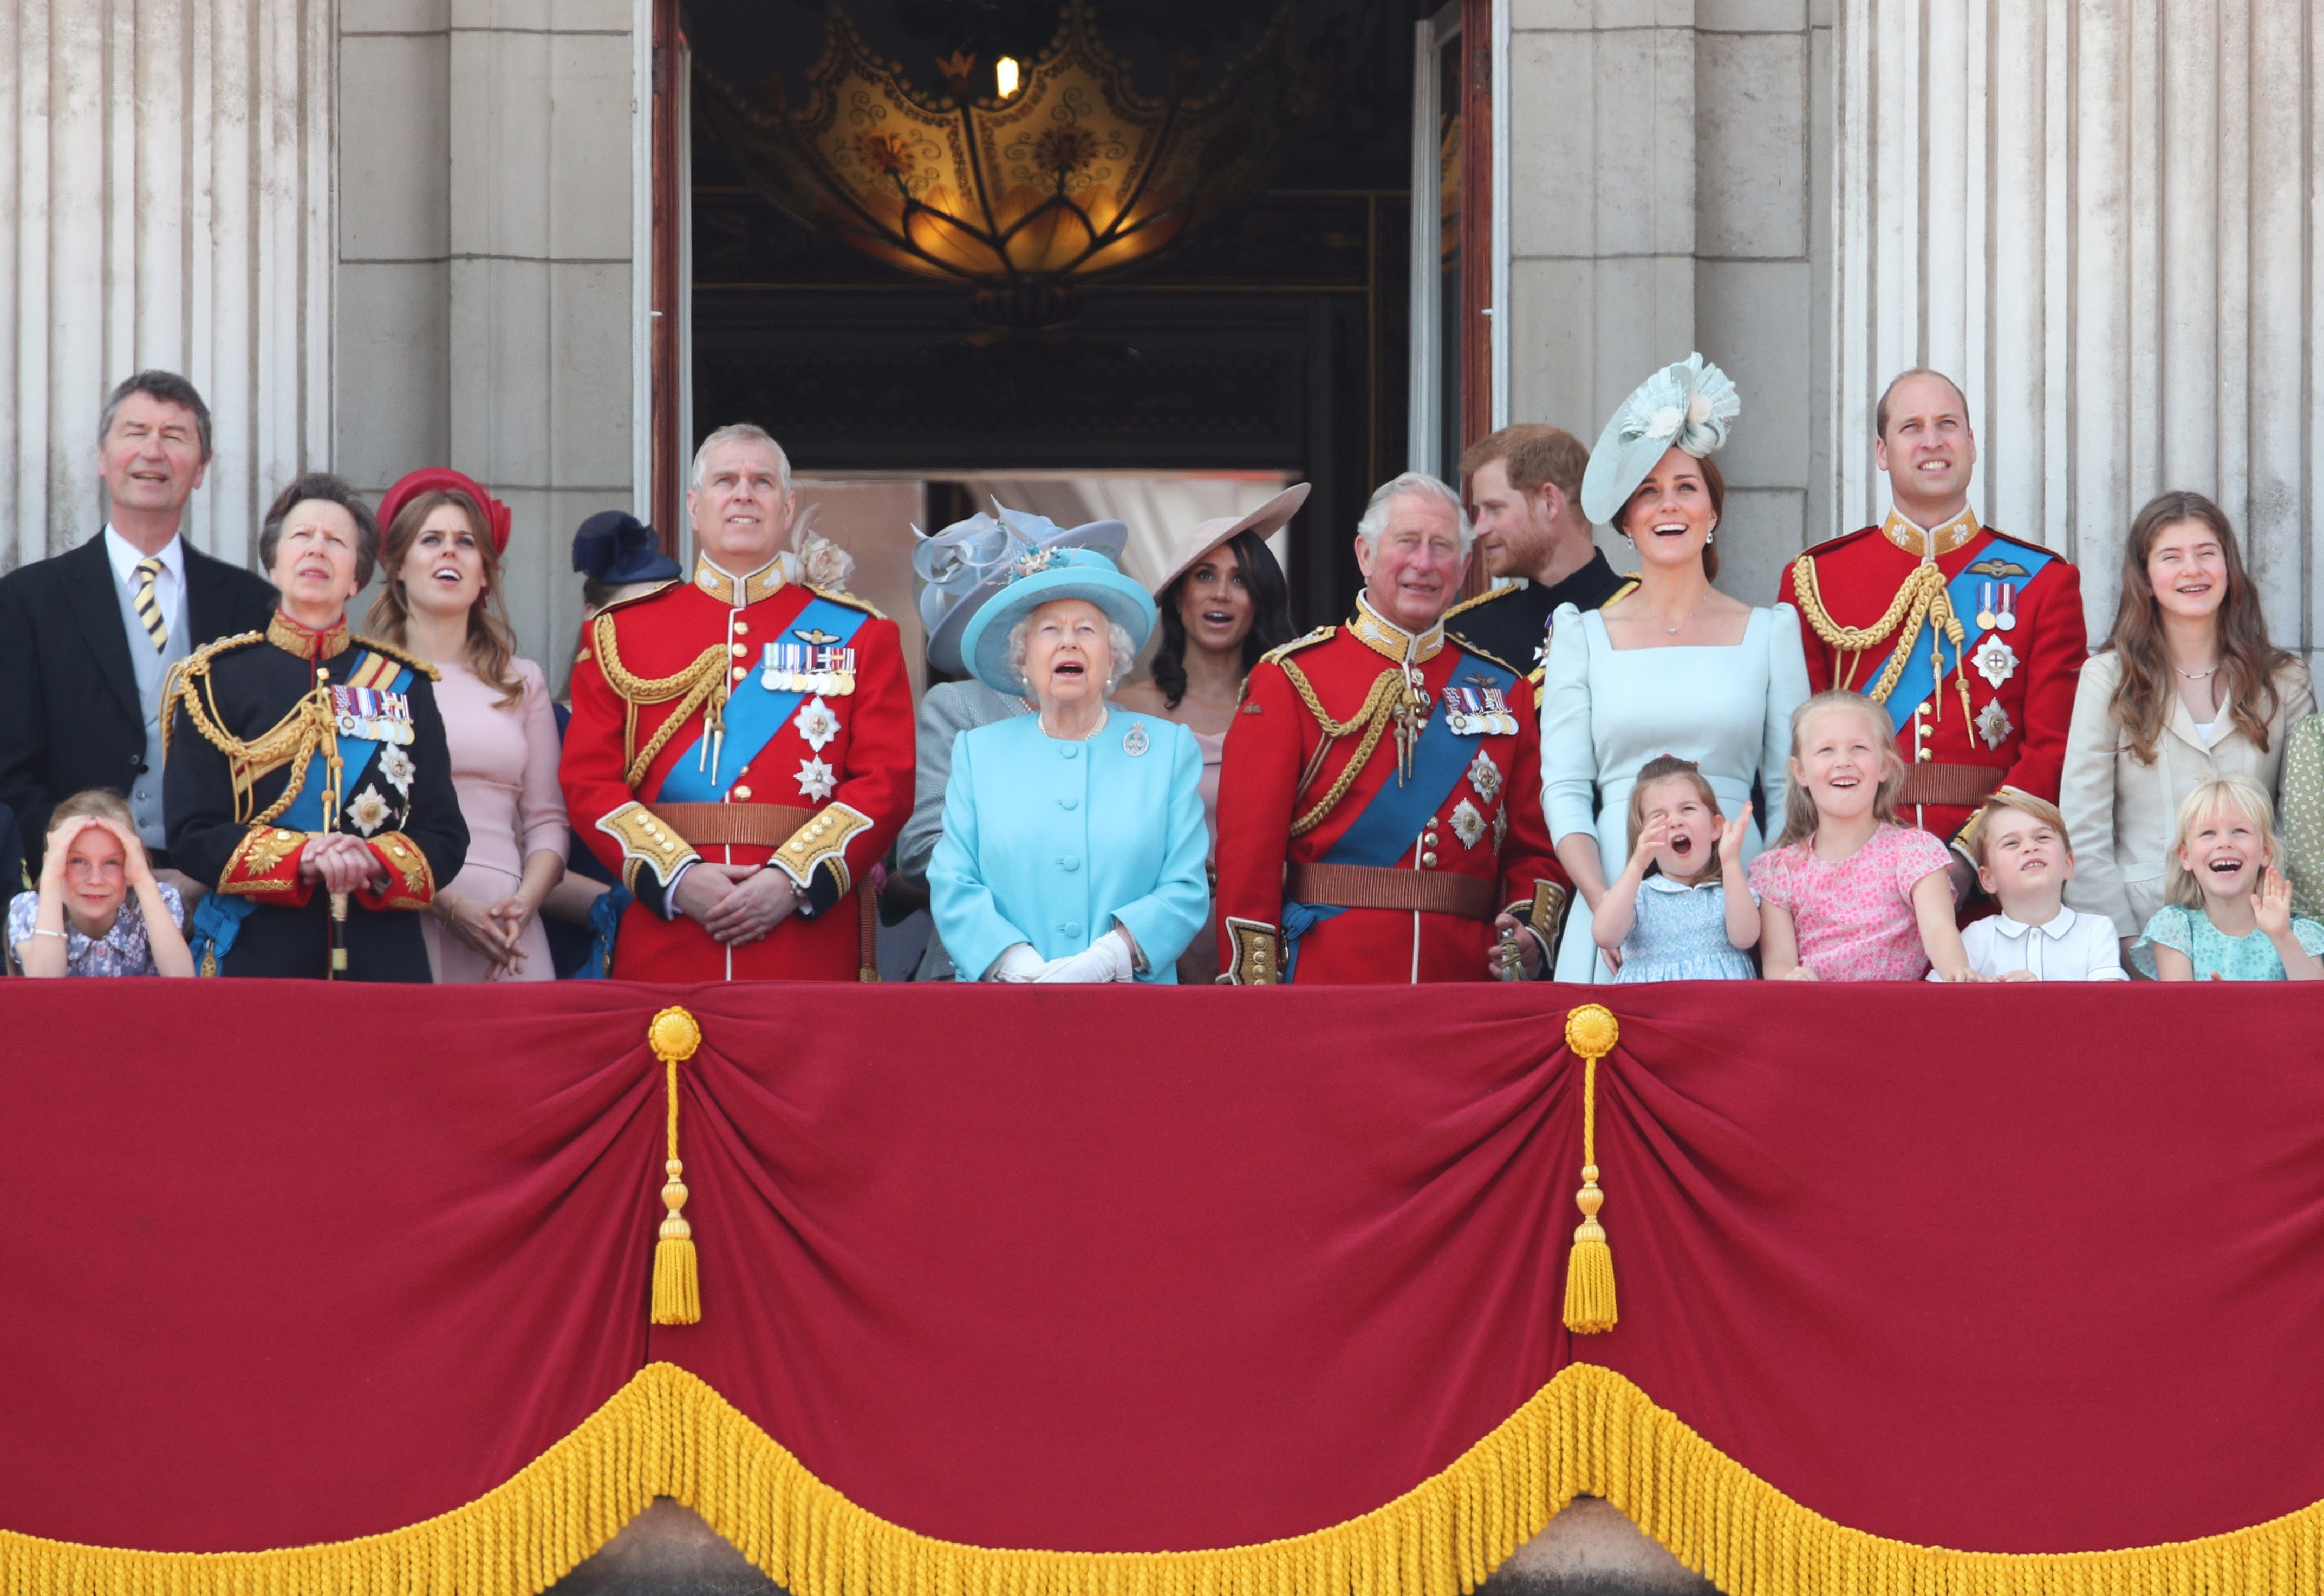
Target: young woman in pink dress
(441, 559)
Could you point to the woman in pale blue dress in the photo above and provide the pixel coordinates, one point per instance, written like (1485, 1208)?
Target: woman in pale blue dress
(1675, 666)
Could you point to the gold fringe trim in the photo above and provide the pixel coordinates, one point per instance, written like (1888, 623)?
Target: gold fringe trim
(1588, 1432)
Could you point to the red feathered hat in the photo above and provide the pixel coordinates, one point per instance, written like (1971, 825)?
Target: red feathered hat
(443, 479)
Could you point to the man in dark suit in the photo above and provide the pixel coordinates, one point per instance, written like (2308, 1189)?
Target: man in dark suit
(87, 636)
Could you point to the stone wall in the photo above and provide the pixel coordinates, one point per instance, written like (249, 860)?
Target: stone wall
(1670, 190)
(488, 317)
(165, 200)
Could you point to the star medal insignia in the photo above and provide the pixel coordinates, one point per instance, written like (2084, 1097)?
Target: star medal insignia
(1485, 776)
(1993, 725)
(369, 811)
(1994, 660)
(397, 767)
(816, 779)
(816, 723)
(1134, 742)
(1467, 824)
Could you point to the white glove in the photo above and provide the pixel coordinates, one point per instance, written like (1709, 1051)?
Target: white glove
(1106, 959)
(1018, 961)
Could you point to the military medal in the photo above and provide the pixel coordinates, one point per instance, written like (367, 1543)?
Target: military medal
(1994, 660)
(1984, 606)
(811, 665)
(2004, 619)
(1468, 824)
(1993, 725)
(1479, 711)
(373, 713)
(815, 723)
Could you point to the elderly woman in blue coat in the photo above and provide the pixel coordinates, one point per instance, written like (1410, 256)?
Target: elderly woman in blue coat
(1072, 840)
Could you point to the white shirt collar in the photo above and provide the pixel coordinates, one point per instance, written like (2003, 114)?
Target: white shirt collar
(2056, 930)
(125, 556)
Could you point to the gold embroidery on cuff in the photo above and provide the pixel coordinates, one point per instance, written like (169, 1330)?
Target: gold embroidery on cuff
(250, 868)
(1257, 956)
(822, 841)
(409, 865)
(645, 840)
(1545, 913)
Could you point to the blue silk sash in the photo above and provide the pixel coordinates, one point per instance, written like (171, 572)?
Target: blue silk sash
(219, 917)
(755, 715)
(1395, 815)
(1919, 681)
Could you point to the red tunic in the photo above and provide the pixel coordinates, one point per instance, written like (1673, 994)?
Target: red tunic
(1275, 737)
(858, 784)
(1859, 576)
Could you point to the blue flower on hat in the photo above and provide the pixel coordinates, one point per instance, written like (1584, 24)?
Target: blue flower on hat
(1685, 406)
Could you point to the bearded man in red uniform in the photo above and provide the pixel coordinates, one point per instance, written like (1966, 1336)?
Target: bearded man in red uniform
(740, 748)
(1380, 808)
(1970, 639)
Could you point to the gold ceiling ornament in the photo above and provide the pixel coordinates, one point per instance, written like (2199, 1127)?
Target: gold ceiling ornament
(1075, 176)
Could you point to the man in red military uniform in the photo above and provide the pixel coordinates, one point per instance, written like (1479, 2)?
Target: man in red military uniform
(1379, 809)
(1970, 639)
(740, 748)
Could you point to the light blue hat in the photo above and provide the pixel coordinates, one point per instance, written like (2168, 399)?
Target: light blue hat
(965, 564)
(1686, 406)
(1040, 577)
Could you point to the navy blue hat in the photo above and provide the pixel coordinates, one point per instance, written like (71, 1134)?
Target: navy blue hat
(614, 548)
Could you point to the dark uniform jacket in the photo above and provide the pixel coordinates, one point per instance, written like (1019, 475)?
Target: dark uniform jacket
(70, 719)
(1512, 623)
(407, 814)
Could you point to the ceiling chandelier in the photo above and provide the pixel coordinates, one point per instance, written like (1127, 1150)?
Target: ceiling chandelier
(1061, 173)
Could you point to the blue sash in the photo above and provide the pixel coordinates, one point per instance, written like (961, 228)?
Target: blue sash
(1919, 681)
(219, 917)
(1383, 832)
(755, 715)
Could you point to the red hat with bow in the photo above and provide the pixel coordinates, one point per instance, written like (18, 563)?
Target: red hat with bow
(443, 479)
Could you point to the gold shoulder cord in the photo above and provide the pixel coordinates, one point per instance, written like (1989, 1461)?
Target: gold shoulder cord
(1921, 600)
(1379, 710)
(291, 740)
(700, 682)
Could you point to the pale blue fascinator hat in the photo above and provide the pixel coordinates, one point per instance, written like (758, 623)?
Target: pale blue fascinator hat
(1685, 406)
(965, 564)
(1044, 577)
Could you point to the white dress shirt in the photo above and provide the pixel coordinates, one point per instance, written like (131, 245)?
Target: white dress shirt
(169, 587)
(2070, 946)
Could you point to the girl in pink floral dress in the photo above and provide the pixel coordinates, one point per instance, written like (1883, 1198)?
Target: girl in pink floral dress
(1845, 893)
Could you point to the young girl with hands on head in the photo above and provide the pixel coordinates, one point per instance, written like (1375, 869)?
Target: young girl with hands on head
(1847, 894)
(1681, 910)
(98, 909)
(2229, 915)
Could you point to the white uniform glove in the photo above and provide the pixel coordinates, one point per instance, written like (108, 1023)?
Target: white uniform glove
(1106, 959)
(1018, 961)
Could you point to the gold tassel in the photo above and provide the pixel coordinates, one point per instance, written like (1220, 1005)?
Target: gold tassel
(676, 1279)
(1590, 1310)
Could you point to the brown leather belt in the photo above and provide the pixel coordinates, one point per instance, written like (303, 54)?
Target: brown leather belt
(754, 826)
(1953, 787)
(771, 826)
(1365, 886)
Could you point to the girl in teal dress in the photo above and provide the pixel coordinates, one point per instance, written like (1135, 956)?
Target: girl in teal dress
(2229, 917)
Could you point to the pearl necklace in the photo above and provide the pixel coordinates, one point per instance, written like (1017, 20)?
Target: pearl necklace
(1103, 716)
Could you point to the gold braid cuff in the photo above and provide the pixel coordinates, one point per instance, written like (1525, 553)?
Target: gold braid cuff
(702, 683)
(1921, 601)
(1373, 719)
(1257, 953)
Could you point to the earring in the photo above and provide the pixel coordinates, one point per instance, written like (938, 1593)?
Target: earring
(1709, 539)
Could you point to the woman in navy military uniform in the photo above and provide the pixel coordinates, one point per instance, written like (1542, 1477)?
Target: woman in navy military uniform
(307, 781)
(1072, 837)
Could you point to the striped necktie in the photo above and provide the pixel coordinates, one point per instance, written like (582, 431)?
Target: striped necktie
(149, 607)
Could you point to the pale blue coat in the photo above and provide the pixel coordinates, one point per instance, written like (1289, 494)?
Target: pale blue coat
(1050, 843)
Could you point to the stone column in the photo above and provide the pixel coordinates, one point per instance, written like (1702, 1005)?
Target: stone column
(2099, 216)
(1670, 181)
(165, 200)
(486, 157)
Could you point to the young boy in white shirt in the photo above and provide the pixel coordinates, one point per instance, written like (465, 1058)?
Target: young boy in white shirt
(2024, 861)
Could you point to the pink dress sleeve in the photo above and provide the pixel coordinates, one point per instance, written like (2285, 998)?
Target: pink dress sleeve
(1917, 855)
(541, 805)
(1770, 878)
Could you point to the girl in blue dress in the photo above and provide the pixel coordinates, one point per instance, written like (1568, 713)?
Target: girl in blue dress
(1681, 909)
(2229, 917)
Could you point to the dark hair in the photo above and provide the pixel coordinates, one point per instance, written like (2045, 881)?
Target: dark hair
(1270, 614)
(330, 490)
(2248, 661)
(1531, 453)
(1880, 410)
(1715, 483)
(168, 387)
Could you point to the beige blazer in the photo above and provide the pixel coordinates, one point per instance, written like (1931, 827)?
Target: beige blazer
(2122, 816)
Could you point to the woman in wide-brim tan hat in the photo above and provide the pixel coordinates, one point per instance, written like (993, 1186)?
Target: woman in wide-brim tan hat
(1222, 603)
